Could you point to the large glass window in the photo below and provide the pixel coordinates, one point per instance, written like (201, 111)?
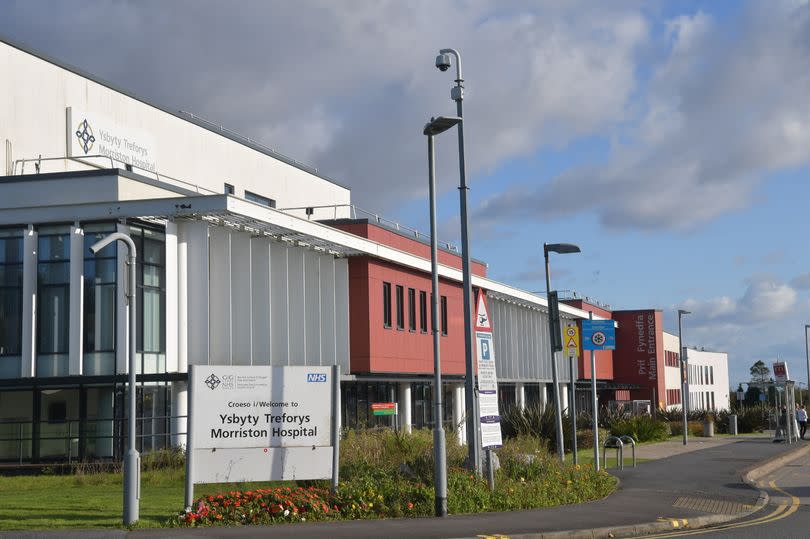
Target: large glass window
(11, 272)
(151, 283)
(259, 199)
(99, 301)
(53, 301)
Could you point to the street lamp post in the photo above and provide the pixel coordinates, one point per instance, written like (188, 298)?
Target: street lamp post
(684, 372)
(807, 355)
(443, 63)
(433, 128)
(560, 248)
(133, 460)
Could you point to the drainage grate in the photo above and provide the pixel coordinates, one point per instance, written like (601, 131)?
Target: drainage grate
(720, 507)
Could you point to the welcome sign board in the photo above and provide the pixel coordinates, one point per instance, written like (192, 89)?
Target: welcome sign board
(261, 423)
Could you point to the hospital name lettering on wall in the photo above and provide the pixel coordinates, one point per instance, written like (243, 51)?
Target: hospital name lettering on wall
(90, 134)
(647, 363)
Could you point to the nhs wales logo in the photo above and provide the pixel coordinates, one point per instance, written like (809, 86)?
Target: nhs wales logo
(213, 381)
(316, 377)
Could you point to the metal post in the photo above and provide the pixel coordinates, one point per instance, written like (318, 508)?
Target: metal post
(573, 409)
(807, 355)
(595, 404)
(336, 417)
(132, 461)
(189, 491)
(490, 470)
(439, 458)
(684, 373)
(471, 404)
(555, 380)
(132, 464)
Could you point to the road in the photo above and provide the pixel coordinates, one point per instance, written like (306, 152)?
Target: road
(787, 514)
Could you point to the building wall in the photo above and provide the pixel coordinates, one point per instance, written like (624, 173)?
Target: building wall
(521, 343)
(639, 354)
(703, 386)
(35, 95)
(379, 349)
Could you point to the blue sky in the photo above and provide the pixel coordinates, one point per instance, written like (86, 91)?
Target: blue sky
(670, 140)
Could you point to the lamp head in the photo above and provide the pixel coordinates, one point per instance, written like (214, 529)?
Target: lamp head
(443, 62)
(440, 125)
(560, 248)
(682, 312)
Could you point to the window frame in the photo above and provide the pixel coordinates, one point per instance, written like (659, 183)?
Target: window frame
(400, 307)
(411, 310)
(386, 305)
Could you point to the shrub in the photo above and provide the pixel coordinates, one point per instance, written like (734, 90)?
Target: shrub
(534, 421)
(695, 428)
(642, 428)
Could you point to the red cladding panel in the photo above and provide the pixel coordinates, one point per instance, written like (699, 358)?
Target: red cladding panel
(639, 355)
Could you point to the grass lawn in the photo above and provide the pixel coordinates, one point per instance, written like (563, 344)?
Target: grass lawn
(92, 501)
(585, 457)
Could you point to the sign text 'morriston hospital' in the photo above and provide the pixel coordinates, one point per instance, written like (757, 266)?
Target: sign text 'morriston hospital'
(264, 426)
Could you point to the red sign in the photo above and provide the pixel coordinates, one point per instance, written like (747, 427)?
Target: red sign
(482, 322)
(383, 405)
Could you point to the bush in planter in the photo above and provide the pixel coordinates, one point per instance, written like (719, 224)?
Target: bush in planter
(695, 428)
(642, 428)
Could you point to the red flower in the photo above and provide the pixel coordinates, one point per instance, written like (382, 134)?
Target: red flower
(410, 505)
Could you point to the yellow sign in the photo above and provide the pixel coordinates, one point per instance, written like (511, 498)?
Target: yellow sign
(571, 339)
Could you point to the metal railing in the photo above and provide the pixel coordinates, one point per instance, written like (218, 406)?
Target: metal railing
(83, 161)
(354, 211)
(613, 442)
(76, 436)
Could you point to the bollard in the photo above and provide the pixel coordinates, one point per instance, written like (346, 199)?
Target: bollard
(732, 424)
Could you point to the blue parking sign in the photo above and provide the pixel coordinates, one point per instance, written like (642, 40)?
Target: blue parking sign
(598, 335)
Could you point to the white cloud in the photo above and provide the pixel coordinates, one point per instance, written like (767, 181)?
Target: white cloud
(724, 108)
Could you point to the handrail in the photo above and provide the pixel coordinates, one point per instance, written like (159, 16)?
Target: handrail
(377, 218)
(619, 446)
(158, 176)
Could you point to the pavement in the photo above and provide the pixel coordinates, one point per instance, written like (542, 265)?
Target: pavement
(707, 482)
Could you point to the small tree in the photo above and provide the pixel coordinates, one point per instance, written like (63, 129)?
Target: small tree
(759, 374)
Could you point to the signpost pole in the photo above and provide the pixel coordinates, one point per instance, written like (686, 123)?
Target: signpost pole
(573, 409)
(189, 495)
(594, 405)
(335, 427)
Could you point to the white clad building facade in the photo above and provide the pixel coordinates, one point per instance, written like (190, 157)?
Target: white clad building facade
(225, 276)
(706, 374)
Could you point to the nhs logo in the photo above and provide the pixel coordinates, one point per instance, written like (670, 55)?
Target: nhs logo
(316, 377)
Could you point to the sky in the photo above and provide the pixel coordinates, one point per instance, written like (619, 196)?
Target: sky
(669, 140)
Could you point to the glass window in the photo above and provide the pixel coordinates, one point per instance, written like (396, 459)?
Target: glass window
(400, 307)
(151, 284)
(387, 305)
(99, 301)
(423, 311)
(412, 309)
(53, 291)
(229, 189)
(444, 315)
(259, 199)
(11, 271)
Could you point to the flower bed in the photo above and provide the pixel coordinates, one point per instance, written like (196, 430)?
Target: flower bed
(392, 477)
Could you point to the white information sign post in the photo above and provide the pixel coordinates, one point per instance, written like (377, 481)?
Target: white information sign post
(487, 379)
(262, 423)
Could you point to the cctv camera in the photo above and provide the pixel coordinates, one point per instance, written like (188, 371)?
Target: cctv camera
(443, 62)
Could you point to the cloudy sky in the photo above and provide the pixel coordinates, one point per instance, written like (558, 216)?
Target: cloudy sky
(670, 140)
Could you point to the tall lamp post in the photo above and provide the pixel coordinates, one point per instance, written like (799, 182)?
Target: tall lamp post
(133, 459)
(807, 355)
(443, 63)
(560, 248)
(684, 373)
(433, 128)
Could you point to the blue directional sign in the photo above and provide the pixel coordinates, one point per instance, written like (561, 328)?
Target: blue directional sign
(598, 335)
